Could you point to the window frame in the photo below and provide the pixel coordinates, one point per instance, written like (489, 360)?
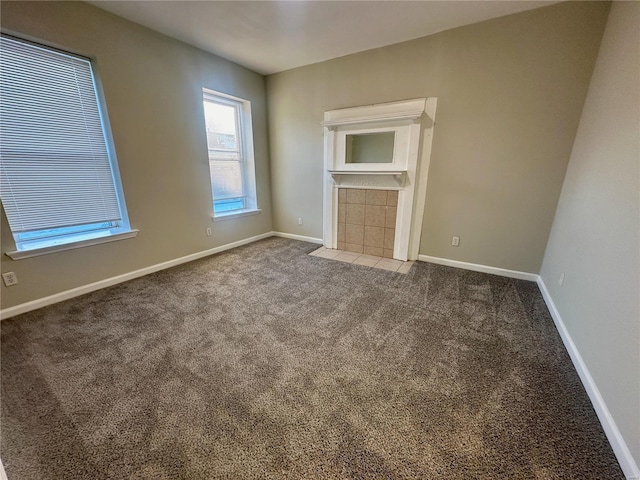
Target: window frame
(244, 128)
(82, 237)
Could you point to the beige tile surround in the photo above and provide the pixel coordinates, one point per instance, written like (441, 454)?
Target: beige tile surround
(367, 221)
(390, 264)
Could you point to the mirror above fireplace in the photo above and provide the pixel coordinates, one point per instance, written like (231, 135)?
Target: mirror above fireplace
(370, 147)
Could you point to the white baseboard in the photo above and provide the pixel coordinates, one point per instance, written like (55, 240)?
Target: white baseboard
(298, 237)
(619, 446)
(480, 268)
(91, 287)
(3, 475)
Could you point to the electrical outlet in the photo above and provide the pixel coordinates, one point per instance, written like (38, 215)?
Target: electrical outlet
(10, 279)
(299, 220)
(561, 279)
(455, 241)
(209, 232)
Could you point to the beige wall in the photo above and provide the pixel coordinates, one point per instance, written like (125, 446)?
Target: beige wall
(595, 240)
(153, 90)
(510, 92)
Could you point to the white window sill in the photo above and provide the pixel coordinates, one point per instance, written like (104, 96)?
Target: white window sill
(235, 214)
(34, 252)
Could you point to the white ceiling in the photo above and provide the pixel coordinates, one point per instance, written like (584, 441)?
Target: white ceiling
(272, 36)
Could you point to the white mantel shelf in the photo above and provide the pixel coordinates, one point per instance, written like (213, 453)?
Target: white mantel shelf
(371, 179)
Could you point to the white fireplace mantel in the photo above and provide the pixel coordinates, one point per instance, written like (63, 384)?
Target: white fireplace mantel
(412, 123)
(374, 180)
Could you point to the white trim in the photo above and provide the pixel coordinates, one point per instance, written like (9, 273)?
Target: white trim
(20, 254)
(619, 446)
(329, 195)
(75, 292)
(415, 115)
(401, 110)
(302, 238)
(420, 194)
(236, 214)
(503, 272)
(3, 475)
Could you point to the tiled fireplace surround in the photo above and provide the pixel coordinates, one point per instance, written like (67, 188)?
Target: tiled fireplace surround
(367, 221)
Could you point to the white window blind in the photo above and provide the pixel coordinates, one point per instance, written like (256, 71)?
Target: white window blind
(55, 169)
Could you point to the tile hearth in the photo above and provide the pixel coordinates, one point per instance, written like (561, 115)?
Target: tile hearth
(389, 264)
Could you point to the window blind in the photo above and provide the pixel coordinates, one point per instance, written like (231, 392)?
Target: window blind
(55, 169)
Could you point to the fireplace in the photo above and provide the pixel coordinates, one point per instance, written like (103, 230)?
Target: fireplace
(376, 167)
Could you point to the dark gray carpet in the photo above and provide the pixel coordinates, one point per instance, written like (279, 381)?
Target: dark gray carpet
(264, 362)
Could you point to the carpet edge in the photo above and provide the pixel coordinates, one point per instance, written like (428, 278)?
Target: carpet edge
(617, 442)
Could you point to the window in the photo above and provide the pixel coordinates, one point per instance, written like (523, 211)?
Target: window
(230, 151)
(59, 182)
